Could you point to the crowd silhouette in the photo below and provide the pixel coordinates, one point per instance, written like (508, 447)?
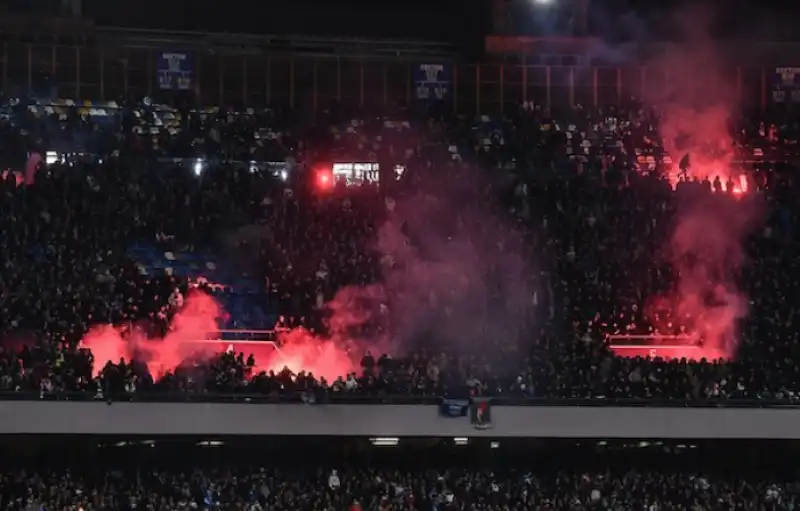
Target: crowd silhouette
(591, 195)
(151, 475)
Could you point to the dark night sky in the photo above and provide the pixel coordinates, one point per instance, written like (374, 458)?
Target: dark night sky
(431, 20)
(451, 20)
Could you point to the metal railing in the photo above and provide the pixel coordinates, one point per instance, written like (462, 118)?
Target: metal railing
(354, 398)
(108, 71)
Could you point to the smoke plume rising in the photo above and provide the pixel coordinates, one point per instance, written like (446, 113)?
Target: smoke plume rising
(454, 272)
(197, 320)
(696, 110)
(453, 275)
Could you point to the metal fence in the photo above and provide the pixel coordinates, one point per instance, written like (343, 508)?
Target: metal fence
(312, 82)
(353, 398)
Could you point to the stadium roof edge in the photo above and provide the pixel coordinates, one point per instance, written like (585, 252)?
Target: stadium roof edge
(739, 50)
(46, 26)
(250, 43)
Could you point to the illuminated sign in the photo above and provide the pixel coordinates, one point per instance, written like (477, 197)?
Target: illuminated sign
(358, 173)
(174, 70)
(786, 85)
(432, 81)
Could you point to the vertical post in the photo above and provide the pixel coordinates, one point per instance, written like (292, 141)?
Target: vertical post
(477, 88)
(408, 83)
(221, 79)
(713, 84)
(547, 85)
(524, 83)
(199, 78)
(291, 83)
(315, 91)
(763, 89)
(571, 77)
(338, 79)
(5, 66)
(102, 75)
(619, 85)
(361, 84)
(268, 85)
(77, 72)
(244, 79)
(739, 87)
(150, 73)
(642, 81)
(30, 67)
(455, 88)
(595, 92)
(503, 88)
(125, 81)
(385, 83)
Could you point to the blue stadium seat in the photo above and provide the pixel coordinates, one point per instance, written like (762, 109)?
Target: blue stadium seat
(244, 299)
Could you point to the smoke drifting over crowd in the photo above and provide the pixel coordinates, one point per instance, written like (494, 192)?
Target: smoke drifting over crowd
(454, 272)
(704, 252)
(196, 320)
(696, 113)
(452, 276)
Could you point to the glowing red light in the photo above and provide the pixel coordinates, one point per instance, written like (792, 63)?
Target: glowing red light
(324, 178)
(741, 187)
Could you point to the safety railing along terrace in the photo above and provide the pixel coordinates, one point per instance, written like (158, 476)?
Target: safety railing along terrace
(256, 77)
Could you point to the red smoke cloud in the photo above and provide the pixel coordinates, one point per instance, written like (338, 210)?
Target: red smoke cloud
(698, 103)
(300, 350)
(453, 271)
(195, 321)
(704, 250)
(194, 332)
(451, 276)
(706, 257)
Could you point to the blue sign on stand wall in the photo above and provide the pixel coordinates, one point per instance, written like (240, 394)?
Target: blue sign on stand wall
(433, 82)
(175, 70)
(786, 85)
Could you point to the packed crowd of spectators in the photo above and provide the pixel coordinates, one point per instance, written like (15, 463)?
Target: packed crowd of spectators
(587, 192)
(401, 490)
(368, 487)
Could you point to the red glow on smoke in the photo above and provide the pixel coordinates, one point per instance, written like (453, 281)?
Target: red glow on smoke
(704, 250)
(703, 135)
(324, 178)
(669, 352)
(697, 103)
(705, 254)
(740, 187)
(194, 332)
(704, 168)
(197, 319)
(300, 350)
(296, 350)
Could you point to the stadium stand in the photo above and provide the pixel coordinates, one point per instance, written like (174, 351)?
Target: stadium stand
(505, 260)
(128, 229)
(137, 204)
(516, 266)
(180, 475)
